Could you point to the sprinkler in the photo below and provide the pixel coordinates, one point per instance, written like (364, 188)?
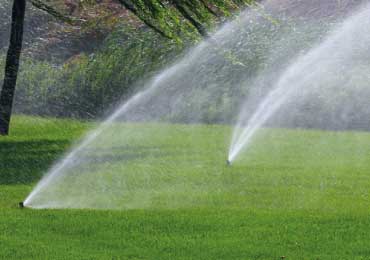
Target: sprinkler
(21, 205)
(228, 163)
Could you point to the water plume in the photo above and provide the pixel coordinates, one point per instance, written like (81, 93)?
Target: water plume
(165, 147)
(322, 70)
(99, 172)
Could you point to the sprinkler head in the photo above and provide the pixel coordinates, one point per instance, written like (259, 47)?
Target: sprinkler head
(228, 163)
(21, 205)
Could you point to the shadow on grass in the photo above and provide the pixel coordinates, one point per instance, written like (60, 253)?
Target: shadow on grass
(25, 162)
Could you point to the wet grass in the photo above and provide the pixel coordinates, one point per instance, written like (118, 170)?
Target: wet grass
(296, 193)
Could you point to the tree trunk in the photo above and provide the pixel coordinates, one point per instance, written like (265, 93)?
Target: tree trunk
(12, 64)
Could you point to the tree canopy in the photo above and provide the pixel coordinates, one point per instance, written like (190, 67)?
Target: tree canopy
(172, 19)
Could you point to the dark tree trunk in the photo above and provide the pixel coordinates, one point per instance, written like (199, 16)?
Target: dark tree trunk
(12, 64)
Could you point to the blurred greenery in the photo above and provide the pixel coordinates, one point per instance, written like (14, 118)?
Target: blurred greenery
(92, 83)
(87, 85)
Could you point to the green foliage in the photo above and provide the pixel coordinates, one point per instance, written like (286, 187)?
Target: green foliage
(179, 19)
(94, 81)
(87, 85)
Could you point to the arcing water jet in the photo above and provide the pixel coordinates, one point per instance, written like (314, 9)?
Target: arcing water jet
(123, 163)
(342, 50)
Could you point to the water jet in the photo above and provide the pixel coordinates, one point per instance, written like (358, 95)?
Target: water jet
(297, 86)
(123, 164)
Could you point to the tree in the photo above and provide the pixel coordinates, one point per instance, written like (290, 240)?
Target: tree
(156, 14)
(12, 65)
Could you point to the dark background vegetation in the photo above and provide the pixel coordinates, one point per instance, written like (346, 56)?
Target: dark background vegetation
(81, 69)
(84, 69)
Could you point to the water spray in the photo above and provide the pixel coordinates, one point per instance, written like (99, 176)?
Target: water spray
(60, 187)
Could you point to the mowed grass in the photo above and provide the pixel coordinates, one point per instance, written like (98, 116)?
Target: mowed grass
(302, 194)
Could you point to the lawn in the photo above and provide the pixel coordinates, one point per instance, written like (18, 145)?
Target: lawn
(303, 194)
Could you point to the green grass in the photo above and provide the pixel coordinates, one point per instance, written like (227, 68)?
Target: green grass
(302, 194)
